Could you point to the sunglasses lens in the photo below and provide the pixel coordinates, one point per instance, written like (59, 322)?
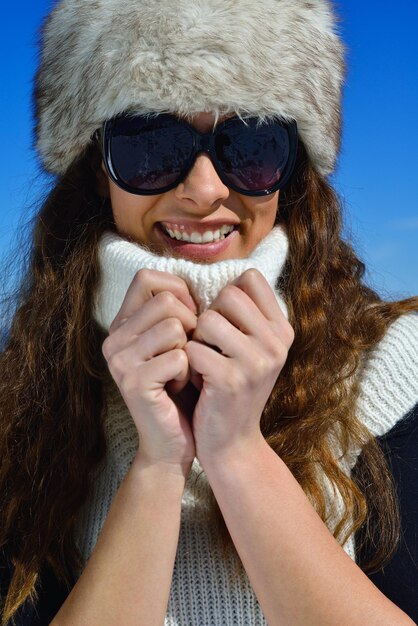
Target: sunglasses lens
(149, 154)
(253, 157)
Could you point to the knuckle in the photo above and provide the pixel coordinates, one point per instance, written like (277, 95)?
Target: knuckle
(179, 281)
(165, 299)
(212, 316)
(235, 382)
(206, 319)
(260, 366)
(252, 275)
(142, 277)
(130, 382)
(116, 365)
(279, 353)
(107, 348)
(179, 358)
(208, 316)
(231, 292)
(290, 334)
(174, 326)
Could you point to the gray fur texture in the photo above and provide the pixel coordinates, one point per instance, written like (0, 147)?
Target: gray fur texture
(271, 58)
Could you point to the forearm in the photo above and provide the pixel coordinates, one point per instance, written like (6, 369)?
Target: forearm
(299, 572)
(128, 576)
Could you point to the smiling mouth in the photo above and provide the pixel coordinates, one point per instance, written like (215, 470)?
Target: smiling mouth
(200, 252)
(208, 236)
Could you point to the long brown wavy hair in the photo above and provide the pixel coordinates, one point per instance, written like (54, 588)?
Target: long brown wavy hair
(52, 374)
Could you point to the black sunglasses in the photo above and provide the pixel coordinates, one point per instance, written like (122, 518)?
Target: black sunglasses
(147, 155)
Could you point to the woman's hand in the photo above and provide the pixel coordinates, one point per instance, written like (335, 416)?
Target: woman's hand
(237, 351)
(144, 351)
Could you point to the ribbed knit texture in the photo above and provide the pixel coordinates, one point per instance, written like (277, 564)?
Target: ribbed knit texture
(390, 381)
(203, 592)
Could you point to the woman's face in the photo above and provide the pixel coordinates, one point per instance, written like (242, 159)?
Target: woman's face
(201, 204)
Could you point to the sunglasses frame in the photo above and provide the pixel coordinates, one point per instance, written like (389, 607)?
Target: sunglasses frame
(202, 143)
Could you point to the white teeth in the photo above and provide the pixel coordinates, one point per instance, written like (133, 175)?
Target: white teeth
(196, 238)
(206, 237)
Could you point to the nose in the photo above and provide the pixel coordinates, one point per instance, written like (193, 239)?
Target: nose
(202, 188)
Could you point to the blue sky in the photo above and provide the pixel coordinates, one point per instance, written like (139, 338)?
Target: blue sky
(377, 174)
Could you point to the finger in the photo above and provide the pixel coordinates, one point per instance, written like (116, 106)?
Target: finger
(240, 310)
(214, 330)
(165, 336)
(253, 283)
(144, 378)
(177, 385)
(238, 329)
(145, 285)
(196, 378)
(162, 306)
(173, 365)
(206, 361)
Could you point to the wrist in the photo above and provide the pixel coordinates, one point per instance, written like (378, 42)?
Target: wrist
(241, 453)
(175, 473)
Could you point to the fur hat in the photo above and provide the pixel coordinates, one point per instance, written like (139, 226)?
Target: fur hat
(273, 59)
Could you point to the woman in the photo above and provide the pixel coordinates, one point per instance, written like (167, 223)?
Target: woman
(194, 365)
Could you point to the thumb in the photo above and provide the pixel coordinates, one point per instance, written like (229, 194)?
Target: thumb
(176, 385)
(196, 379)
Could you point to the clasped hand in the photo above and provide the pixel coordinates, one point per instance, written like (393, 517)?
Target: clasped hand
(232, 354)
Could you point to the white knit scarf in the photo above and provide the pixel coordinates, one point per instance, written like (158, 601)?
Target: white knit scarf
(121, 259)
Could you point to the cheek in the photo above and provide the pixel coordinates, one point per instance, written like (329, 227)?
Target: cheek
(128, 209)
(120, 206)
(273, 206)
(264, 209)
(262, 212)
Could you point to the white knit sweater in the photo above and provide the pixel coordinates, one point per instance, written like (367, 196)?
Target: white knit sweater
(203, 591)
